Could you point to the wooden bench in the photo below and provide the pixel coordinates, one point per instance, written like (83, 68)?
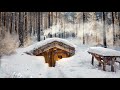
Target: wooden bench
(105, 56)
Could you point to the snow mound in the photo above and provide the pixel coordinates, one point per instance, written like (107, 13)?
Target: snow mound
(21, 65)
(44, 42)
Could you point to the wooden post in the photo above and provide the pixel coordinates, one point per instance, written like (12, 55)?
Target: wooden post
(53, 61)
(47, 57)
(92, 62)
(50, 58)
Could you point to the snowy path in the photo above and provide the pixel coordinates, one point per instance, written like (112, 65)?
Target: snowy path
(54, 72)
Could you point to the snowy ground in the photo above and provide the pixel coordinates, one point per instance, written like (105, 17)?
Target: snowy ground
(20, 65)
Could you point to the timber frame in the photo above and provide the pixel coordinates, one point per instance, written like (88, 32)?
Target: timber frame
(53, 52)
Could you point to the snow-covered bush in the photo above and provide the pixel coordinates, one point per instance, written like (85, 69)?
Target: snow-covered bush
(8, 44)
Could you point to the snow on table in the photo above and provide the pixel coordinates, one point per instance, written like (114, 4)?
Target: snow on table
(104, 51)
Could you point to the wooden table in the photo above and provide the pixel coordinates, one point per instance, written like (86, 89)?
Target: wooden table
(105, 56)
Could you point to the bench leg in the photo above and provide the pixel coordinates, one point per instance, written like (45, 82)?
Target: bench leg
(92, 62)
(112, 68)
(112, 64)
(104, 67)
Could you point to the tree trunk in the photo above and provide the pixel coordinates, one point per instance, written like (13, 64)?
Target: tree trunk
(119, 23)
(13, 22)
(16, 22)
(38, 33)
(83, 27)
(114, 39)
(104, 32)
(21, 32)
(0, 23)
(30, 20)
(26, 27)
(34, 23)
(56, 18)
(49, 20)
(11, 26)
(4, 22)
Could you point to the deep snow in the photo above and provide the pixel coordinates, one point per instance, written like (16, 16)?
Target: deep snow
(21, 65)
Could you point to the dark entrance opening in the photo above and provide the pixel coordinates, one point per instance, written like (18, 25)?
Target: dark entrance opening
(59, 56)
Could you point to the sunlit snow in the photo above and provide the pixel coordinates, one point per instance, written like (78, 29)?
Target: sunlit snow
(21, 65)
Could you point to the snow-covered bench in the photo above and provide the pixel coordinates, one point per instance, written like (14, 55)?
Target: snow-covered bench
(105, 56)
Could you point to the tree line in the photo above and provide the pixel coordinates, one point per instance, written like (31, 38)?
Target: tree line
(29, 24)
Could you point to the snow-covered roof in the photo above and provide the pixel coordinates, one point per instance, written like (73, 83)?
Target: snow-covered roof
(48, 40)
(104, 51)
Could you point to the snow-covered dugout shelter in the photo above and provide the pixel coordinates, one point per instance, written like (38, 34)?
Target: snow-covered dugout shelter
(53, 49)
